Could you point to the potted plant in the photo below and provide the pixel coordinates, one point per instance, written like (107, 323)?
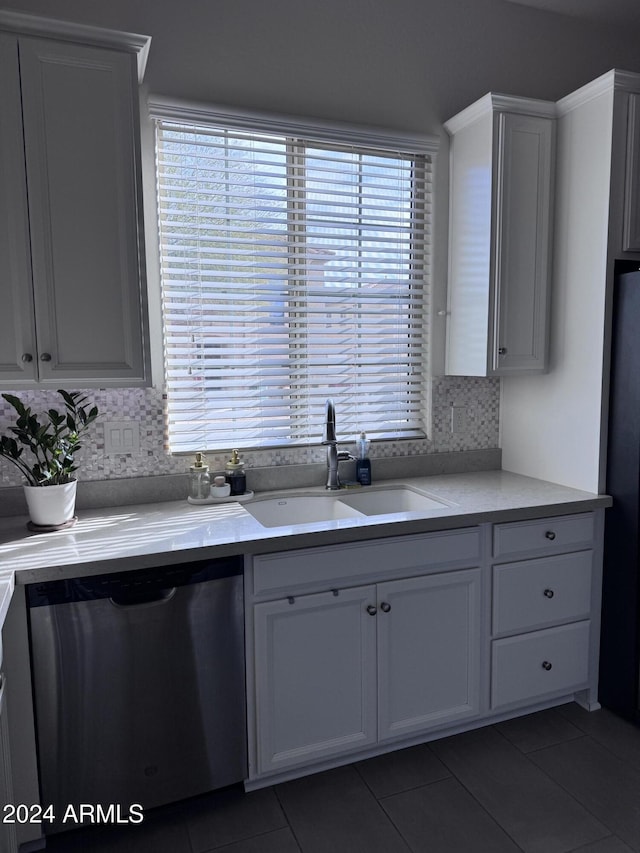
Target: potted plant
(50, 489)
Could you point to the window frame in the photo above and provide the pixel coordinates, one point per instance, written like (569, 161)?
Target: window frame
(324, 134)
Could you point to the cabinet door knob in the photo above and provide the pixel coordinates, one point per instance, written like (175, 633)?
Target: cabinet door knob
(385, 607)
(550, 535)
(549, 593)
(502, 350)
(372, 609)
(546, 665)
(45, 356)
(27, 357)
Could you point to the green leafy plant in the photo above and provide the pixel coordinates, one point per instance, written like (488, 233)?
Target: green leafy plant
(52, 442)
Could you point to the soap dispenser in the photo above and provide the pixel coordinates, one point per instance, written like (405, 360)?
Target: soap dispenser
(199, 479)
(234, 474)
(363, 463)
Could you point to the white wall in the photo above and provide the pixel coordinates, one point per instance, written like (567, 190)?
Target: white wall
(551, 423)
(410, 65)
(407, 65)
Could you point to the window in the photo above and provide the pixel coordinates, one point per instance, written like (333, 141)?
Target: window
(294, 269)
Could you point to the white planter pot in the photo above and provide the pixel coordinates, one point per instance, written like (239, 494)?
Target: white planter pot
(50, 506)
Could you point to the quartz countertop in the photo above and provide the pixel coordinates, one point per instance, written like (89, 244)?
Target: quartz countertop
(141, 536)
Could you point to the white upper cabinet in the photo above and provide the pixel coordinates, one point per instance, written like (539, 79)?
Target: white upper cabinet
(501, 198)
(17, 328)
(631, 224)
(70, 212)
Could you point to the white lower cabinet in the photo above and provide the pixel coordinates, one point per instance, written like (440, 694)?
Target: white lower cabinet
(361, 648)
(315, 676)
(530, 665)
(428, 652)
(341, 670)
(545, 611)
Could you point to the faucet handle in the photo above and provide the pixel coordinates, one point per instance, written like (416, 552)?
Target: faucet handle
(329, 424)
(345, 456)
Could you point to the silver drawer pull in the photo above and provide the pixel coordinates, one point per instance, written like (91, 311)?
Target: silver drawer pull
(550, 535)
(549, 593)
(546, 665)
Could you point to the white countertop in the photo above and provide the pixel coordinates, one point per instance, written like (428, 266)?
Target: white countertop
(159, 534)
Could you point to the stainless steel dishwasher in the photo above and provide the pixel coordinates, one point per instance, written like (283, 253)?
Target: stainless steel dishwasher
(139, 685)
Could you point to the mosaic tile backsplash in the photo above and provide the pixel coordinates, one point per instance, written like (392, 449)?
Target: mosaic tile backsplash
(481, 397)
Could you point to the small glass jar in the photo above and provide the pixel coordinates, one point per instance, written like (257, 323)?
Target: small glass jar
(199, 479)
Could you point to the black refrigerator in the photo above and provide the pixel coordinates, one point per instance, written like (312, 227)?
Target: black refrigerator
(620, 638)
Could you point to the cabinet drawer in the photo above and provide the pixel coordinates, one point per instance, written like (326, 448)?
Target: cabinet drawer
(545, 662)
(545, 534)
(337, 564)
(534, 593)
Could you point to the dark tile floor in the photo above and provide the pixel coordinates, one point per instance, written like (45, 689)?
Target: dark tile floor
(557, 781)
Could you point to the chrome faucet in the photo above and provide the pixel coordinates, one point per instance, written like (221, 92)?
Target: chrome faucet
(333, 455)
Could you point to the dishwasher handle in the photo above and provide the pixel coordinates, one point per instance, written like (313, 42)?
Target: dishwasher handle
(142, 598)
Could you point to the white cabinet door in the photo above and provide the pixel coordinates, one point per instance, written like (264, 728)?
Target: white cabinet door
(81, 130)
(522, 244)
(17, 329)
(315, 675)
(428, 652)
(631, 222)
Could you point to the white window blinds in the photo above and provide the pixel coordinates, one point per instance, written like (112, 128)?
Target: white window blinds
(292, 271)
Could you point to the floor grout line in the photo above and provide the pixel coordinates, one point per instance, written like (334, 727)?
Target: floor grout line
(284, 814)
(180, 817)
(570, 793)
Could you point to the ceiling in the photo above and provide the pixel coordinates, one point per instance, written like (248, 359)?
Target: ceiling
(623, 12)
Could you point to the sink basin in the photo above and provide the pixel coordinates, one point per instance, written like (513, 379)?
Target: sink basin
(391, 500)
(282, 512)
(305, 509)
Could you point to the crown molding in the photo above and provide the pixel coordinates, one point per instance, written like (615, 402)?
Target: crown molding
(314, 129)
(626, 81)
(595, 89)
(34, 25)
(493, 103)
(614, 80)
